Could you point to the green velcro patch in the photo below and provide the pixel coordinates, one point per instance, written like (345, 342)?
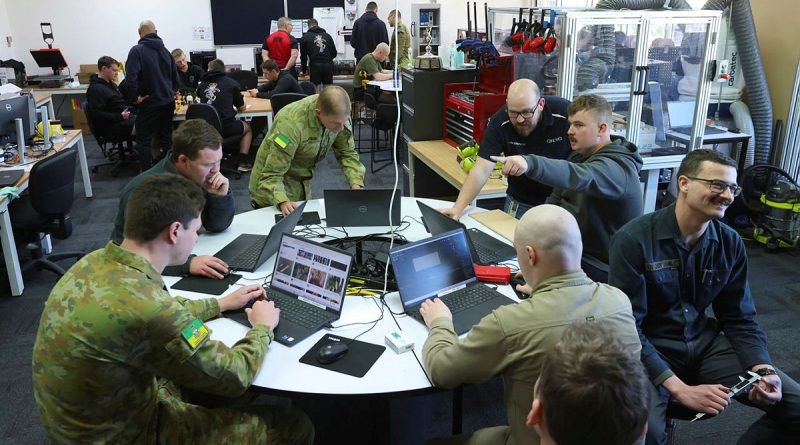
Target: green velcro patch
(281, 140)
(195, 333)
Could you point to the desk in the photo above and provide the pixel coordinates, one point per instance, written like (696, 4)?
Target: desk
(256, 107)
(80, 89)
(387, 85)
(728, 137)
(394, 374)
(6, 233)
(441, 158)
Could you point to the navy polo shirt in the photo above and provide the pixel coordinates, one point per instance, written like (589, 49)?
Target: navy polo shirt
(548, 139)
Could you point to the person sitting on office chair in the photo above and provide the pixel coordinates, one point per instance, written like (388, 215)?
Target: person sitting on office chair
(513, 340)
(591, 391)
(196, 153)
(117, 359)
(188, 73)
(369, 68)
(278, 81)
(219, 90)
(107, 107)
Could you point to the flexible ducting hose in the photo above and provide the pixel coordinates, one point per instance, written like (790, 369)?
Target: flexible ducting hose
(750, 60)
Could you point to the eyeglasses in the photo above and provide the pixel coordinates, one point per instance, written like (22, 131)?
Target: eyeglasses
(717, 186)
(527, 114)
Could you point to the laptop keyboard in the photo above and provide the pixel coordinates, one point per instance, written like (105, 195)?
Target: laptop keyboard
(485, 254)
(468, 297)
(489, 249)
(298, 311)
(688, 130)
(243, 252)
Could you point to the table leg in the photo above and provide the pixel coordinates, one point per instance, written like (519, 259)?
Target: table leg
(10, 252)
(411, 186)
(51, 112)
(87, 182)
(269, 121)
(650, 190)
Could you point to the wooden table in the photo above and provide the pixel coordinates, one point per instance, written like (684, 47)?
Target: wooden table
(256, 107)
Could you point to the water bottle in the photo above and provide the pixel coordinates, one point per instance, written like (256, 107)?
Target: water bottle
(396, 78)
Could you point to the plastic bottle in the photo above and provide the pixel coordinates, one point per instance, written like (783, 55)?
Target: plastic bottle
(396, 78)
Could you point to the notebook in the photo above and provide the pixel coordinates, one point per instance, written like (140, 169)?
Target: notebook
(309, 282)
(442, 266)
(10, 176)
(249, 251)
(361, 208)
(485, 248)
(681, 114)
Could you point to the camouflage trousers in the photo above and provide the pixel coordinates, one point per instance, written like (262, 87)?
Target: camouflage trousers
(183, 422)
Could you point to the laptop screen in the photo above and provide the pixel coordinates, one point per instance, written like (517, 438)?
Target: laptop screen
(432, 266)
(312, 271)
(680, 113)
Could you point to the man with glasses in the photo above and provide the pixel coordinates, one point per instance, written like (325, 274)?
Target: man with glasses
(675, 263)
(528, 124)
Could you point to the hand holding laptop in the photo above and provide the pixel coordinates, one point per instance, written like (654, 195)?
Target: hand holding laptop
(433, 309)
(208, 266)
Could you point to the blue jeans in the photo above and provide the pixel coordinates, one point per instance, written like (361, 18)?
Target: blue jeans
(515, 208)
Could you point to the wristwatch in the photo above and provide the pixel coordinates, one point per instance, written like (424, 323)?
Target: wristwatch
(763, 372)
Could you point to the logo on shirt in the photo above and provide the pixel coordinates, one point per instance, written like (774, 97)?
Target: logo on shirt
(554, 140)
(320, 42)
(210, 92)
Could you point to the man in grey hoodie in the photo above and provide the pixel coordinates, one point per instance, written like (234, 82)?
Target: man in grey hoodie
(598, 183)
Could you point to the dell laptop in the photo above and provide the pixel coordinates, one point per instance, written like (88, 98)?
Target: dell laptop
(249, 251)
(308, 285)
(361, 208)
(441, 266)
(485, 248)
(681, 114)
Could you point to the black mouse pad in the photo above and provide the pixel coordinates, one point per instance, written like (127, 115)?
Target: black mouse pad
(359, 358)
(204, 285)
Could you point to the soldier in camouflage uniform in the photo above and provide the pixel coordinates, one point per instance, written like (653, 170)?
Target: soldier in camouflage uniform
(403, 37)
(113, 346)
(300, 138)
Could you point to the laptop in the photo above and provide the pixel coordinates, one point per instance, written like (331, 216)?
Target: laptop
(485, 248)
(361, 208)
(309, 282)
(10, 176)
(249, 251)
(441, 266)
(681, 114)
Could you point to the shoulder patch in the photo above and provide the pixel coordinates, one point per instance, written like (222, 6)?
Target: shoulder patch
(281, 140)
(195, 333)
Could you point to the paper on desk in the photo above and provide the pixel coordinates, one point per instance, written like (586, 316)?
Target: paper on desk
(498, 221)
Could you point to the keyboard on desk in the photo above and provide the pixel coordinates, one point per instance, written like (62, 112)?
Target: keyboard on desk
(462, 299)
(243, 252)
(489, 249)
(300, 312)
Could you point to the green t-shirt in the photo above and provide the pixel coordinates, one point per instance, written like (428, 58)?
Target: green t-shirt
(366, 68)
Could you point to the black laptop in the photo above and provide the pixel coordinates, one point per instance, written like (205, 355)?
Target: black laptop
(485, 248)
(309, 282)
(441, 266)
(361, 208)
(10, 176)
(249, 251)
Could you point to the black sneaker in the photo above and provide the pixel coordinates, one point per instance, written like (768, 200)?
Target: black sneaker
(245, 167)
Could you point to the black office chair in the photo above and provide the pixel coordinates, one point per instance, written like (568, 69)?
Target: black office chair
(230, 144)
(118, 149)
(308, 87)
(44, 208)
(281, 100)
(247, 79)
(383, 123)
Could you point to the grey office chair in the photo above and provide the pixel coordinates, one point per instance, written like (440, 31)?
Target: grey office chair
(230, 144)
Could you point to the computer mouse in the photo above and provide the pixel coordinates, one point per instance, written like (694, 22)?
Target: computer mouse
(521, 281)
(331, 352)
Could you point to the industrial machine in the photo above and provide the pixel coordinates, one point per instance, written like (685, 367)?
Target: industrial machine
(772, 199)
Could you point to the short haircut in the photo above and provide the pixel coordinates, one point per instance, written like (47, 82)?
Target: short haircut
(192, 136)
(333, 100)
(216, 65)
(593, 389)
(312, 23)
(270, 65)
(177, 53)
(106, 61)
(595, 104)
(692, 163)
(158, 201)
(283, 21)
(396, 13)
(372, 6)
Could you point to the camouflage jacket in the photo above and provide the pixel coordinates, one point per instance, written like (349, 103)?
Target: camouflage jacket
(291, 150)
(108, 330)
(404, 39)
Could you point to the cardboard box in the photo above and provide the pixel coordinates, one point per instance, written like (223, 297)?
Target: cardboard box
(79, 122)
(85, 72)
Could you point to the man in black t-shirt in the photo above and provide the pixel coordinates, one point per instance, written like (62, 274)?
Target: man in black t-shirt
(527, 124)
(223, 93)
(189, 73)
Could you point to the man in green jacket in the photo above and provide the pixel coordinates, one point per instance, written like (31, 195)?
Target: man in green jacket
(403, 38)
(300, 138)
(114, 349)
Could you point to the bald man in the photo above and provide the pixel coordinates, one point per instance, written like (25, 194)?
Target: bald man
(369, 68)
(528, 124)
(151, 80)
(512, 341)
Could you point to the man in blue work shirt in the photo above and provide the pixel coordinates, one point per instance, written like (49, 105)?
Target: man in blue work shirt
(673, 264)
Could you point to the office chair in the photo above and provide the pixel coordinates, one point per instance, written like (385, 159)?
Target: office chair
(208, 113)
(385, 117)
(308, 87)
(44, 208)
(282, 99)
(247, 79)
(116, 148)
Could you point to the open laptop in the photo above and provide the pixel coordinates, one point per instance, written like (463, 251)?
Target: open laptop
(441, 266)
(681, 114)
(309, 282)
(485, 248)
(249, 251)
(361, 208)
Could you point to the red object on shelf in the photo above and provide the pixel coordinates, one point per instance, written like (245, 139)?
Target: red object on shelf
(465, 119)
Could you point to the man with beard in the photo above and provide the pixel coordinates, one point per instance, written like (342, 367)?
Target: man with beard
(673, 264)
(528, 124)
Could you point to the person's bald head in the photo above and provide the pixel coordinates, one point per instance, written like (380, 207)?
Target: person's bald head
(523, 90)
(146, 27)
(548, 242)
(525, 104)
(381, 52)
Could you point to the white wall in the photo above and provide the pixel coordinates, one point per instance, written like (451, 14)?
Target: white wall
(6, 51)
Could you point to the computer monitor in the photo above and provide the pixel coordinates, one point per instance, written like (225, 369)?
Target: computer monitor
(49, 58)
(22, 107)
(202, 58)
